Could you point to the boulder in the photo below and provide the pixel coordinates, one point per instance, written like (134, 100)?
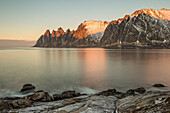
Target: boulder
(66, 94)
(130, 92)
(140, 90)
(27, 88)
(159, 85)
(109, 92)
(39, 96)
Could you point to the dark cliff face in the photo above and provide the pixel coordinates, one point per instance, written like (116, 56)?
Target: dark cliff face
(141, 31)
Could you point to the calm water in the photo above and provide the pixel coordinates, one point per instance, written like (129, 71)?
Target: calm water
(84, 70)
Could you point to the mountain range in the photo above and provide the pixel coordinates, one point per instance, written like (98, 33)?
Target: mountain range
(147, 28)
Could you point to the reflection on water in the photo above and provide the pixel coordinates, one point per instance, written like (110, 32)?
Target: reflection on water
(84, 70)
(95, 68)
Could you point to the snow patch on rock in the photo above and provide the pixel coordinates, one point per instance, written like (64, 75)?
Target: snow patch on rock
(94, 27)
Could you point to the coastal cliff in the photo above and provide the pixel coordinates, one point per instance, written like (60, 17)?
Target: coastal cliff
(145, 28)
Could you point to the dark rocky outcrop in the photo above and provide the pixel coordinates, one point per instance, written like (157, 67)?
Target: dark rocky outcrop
(131, 92)
(159, 85)
(140, 90)
(138, 31)
(65, 95)
(27, 88)
(14, 104)
(40, 96)
(109, 92)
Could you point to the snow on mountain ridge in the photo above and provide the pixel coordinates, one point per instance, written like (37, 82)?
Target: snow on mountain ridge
(161, 14)
(166, 14)
(94, 27)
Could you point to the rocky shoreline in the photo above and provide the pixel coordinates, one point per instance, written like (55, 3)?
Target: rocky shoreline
(137, 100)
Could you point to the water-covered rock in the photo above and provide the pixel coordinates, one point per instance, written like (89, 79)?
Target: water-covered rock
(159, 85)
(27, 88)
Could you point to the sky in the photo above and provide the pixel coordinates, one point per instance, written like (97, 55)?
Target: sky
(29, 19)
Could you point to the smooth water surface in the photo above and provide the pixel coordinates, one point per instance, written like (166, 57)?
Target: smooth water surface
(82, 69)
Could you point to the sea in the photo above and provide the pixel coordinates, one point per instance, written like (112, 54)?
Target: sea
(85, 70)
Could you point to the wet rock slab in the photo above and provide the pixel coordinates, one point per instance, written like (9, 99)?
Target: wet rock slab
(83, 104)
(150, 102)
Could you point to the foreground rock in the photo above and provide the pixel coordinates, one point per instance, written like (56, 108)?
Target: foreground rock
(27, 88)
(109, 101)
(113, 92)
(83, 104)
(65, 95)
(39, 96)
(151, 102)
(14, 104)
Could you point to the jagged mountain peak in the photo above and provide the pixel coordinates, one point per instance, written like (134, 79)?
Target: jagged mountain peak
(47, 33)
(90, 33)
(60, 29)
(53, 33)
(67, 31)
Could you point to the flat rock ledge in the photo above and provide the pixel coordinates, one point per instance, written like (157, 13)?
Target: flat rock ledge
(111, 101)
